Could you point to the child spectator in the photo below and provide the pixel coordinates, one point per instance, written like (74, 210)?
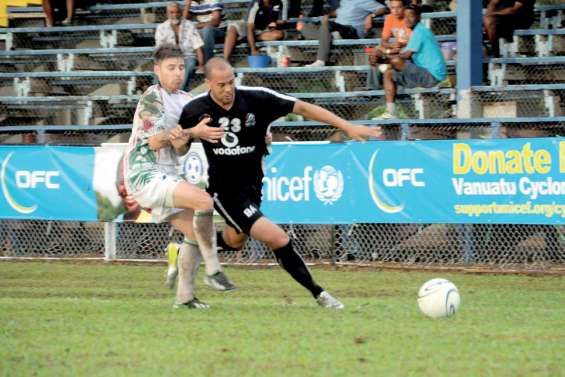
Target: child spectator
(427, 68)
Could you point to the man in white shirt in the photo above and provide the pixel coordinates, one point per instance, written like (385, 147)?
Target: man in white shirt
(152, 178)
(183, 34)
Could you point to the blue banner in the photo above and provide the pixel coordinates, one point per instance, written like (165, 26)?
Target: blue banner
(513, 181)
(506, 181)
(47, 183)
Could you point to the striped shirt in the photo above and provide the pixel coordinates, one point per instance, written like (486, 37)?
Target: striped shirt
(202, 11)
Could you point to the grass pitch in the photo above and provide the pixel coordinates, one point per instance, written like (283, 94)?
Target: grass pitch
(60, 319)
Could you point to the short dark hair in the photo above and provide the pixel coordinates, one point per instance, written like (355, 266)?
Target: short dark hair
(166, 51)
(415, 8)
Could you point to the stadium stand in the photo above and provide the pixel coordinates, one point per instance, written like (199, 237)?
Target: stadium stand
(80, 85)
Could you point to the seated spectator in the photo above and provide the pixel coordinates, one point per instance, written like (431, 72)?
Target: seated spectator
(210, 22)
(50, 15)
(394, 28)
(354, 19)
(264, 21)
(183, 34)
(427, 68)
(502, 17)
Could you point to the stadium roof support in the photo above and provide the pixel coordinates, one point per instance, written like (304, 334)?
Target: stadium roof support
(469, 55)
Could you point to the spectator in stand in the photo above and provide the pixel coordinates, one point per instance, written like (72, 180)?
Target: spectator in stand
(182, 33)
(427, 68)
(354, 19)
(394, 28)
(264, 22)
(502, 17)
(210, 22)
(50, 15)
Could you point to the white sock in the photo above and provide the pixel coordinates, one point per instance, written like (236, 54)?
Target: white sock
(206, 235)
(391, 108)
(188, 263)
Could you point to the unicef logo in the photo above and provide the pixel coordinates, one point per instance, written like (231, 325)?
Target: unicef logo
(193, 168)
(328, 184)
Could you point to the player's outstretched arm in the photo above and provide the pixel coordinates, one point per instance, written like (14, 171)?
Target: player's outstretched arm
(204, 132)
(317, 113)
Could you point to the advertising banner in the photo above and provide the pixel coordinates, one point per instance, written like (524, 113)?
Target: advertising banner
(512, 181)
(47, 183)
(506, 181)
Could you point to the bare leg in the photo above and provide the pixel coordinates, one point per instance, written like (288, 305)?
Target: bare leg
(70, 12)
(230, 41)
(275, 35)
(492, 34)
(49, 21)
(390, 87)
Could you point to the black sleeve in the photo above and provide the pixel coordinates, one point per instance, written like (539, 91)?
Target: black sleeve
(190, 115)
(274, 105)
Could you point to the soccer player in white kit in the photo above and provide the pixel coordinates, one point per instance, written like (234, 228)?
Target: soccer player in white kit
(152, 175)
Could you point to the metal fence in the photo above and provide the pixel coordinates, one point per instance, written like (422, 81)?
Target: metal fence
(534, 247)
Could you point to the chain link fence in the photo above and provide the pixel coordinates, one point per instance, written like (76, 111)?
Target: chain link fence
(538, 247)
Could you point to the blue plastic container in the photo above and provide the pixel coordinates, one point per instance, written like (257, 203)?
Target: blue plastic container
(258, 61)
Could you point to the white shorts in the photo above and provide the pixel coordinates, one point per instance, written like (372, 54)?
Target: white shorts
(241, 28)
(157, 195)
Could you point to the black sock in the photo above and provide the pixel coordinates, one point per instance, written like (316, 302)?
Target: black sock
(295, 266)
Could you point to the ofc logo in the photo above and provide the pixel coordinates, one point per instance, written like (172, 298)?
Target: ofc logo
(397, 177)
(31, 179)
(26, 179)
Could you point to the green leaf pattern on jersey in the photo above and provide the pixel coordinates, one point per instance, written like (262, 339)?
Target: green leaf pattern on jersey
(148, 121)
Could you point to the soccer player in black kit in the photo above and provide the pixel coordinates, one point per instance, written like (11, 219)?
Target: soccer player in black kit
(235, 161)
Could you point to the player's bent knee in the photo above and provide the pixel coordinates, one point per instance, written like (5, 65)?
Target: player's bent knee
(278, 240)
(204, 203)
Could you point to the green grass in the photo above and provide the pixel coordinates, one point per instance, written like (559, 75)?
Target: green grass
(61, 319)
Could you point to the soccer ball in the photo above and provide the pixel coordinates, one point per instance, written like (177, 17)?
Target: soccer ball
(438, 298)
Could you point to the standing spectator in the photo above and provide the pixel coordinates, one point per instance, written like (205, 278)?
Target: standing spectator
(503, 17)
(210, 22)
(354, 19)
(427, 68)
(264, 22)
(183, 34)
(50, 15)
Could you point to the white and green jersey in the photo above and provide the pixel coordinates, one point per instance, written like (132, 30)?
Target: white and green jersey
(157, 111)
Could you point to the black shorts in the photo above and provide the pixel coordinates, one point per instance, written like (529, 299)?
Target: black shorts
(240, 208)
(507, 24)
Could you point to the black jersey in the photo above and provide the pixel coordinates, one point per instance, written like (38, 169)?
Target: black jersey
(236, 159)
